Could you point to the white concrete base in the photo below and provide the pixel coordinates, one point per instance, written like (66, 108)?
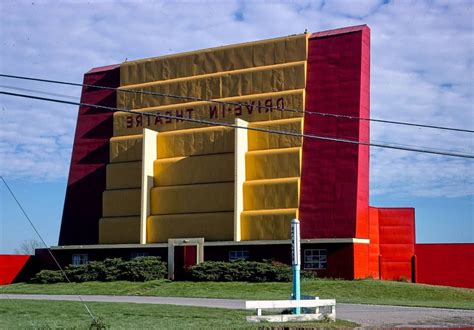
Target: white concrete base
(290, 318)
(319, 309)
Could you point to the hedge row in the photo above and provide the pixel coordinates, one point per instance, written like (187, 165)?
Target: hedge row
(137, 270)
(243, 271)
(152, 268)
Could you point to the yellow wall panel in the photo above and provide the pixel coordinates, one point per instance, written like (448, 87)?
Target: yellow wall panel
(273, 163)
(120, 203)
(197, 141)
(261, 140)
(124, 175)
(253, 110)
(234, 57)
(211, 197)
(217, 226)
(122, 230)
(126, 148)
(267, 224)
(221, 85)
(271, 194)
(194, 169)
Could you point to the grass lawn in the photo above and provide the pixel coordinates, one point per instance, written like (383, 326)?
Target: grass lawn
(361, 291)
(22, 314)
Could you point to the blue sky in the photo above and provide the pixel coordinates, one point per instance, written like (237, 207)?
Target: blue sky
(421, 71)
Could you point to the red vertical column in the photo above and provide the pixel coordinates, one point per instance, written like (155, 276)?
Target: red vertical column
(374, 248)
(335, 176)
(90, 155)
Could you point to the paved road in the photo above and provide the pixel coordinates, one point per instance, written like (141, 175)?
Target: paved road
(406, 317)
(366, 315)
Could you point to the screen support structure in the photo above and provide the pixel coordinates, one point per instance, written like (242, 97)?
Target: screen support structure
(149, 155)
(241, 148)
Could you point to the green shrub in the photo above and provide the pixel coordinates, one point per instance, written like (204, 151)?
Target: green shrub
(309, 275)
(138, 269)
(142, 269)
(92, 271)
(112, 267)
(242, 271)
(47, 276)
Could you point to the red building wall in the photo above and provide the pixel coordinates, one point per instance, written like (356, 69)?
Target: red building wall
(374, 246)
(335, 175)
(397, 242)
(445, 264)
(11, 266)
(90, 155)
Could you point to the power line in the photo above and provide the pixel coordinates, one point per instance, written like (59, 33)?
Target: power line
(39, 92)
(323, 114)
(214, 123)
(76, 98)
(44, 243)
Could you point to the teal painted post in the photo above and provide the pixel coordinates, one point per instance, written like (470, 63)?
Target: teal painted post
(296, 262)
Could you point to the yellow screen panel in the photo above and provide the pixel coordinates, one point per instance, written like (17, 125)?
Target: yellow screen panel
(207, 61)
(194, 169)
(120, 203)
(126, 148)
(262, 140)
(122, 230)
(124, 175)
(222, 85)
(267, 224)
(197, 141)
(273, 163)
(210, 197)
(253, 108)
(218, 226)
(271, 194)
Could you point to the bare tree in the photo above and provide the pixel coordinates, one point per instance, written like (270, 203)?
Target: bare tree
(28, 247)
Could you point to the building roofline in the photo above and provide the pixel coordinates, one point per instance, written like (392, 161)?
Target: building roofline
(217, 243)
(103, 68)
(344, 30)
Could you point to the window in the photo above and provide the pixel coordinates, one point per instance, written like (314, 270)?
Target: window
(80, 259)
(238, 255)
(139, 254)
(315, 259)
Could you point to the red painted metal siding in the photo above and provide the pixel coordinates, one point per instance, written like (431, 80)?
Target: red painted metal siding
(397, 242)
(362, 220)
(340, 262)
(374, 247)
(361, 260)
(11, 266)
(90, 155)
(334, 180)
(445, 264)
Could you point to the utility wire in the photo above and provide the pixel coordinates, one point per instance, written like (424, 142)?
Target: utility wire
(76, 99)
(324, 114)
(44, 243)
(39, 92)
(214, 123)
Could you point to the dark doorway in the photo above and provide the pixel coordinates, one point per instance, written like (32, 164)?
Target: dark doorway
(184, 257)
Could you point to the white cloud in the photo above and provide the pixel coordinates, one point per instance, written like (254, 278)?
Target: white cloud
(422, 63)
(354, 9)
